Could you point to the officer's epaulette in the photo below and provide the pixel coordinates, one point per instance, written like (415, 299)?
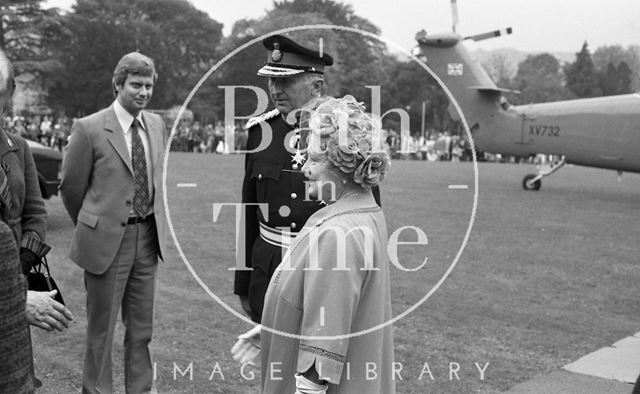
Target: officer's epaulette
(257, 119)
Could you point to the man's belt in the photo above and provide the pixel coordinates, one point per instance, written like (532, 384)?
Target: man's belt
(138, 219)
(275, 236)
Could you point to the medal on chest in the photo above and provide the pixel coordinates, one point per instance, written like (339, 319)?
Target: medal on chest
(298, 157)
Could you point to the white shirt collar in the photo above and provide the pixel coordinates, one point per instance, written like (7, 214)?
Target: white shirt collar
(125, 118)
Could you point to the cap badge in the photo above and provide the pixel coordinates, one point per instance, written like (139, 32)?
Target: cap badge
(276, 55)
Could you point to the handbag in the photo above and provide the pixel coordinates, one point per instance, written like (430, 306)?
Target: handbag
(41, 280)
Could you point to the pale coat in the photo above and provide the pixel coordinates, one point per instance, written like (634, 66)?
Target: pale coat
(330, 302)
(97, 186)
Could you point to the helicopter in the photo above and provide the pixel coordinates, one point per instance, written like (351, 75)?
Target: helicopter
(602, 132)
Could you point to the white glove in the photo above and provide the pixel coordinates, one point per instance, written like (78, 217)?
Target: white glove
(305, 386)
(247, 347)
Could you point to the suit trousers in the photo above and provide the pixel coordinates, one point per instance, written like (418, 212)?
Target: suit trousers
(128, 283)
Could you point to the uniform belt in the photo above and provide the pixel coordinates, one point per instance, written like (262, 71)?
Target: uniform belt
(138, 219)
(276, 236)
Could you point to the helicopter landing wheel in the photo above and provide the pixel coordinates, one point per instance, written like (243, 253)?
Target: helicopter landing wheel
(527, 185)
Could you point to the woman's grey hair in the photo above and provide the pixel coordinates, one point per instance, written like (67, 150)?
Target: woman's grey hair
(341, 132)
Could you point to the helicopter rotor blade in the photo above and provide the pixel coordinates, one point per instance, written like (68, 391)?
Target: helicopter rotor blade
(491, 34)
(454, 15)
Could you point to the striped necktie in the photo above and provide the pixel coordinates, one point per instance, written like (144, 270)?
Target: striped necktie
(5, 190)
(141, 202)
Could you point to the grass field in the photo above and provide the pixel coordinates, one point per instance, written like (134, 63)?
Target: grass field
(545, 278)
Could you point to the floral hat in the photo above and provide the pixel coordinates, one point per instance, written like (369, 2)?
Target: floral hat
(350, 138)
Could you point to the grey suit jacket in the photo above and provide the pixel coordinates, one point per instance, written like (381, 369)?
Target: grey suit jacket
(97, 186)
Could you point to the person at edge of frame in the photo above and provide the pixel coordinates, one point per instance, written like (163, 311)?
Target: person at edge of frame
(23, 224)
(273, 175)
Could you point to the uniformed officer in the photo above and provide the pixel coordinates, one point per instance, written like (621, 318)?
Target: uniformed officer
(273, 175)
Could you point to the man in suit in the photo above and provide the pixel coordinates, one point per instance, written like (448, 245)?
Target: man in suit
(111, 188)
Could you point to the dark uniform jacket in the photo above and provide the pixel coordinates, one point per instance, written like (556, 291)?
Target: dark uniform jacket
(270, 178)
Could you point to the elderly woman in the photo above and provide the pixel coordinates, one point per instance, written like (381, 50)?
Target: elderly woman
(323, 326)
(23, 217)
(22, 209)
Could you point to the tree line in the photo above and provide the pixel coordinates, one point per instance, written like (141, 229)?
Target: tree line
(72, 54)
(610, 70)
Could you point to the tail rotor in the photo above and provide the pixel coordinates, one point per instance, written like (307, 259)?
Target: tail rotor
(476, 37)
(490, 34)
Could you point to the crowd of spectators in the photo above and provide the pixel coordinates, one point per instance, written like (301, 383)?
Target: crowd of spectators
(434, 146)
(443, 146)
(45, 129)
(192, 137)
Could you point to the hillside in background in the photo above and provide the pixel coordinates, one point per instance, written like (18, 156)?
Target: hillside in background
(513, 57)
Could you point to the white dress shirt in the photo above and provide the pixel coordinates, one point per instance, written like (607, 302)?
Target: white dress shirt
(126, 119)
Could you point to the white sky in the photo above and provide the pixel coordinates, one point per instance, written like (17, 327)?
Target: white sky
(540, 25)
